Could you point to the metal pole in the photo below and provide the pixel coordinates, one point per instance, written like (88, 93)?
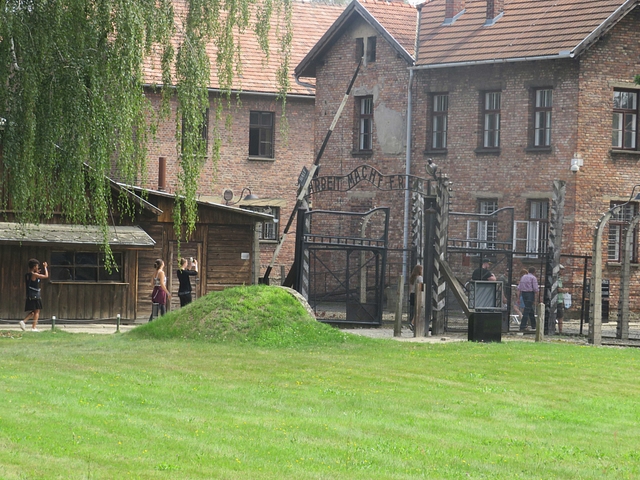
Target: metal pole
(53, 323)
(118, 323)
(584, 294)
(304, 189)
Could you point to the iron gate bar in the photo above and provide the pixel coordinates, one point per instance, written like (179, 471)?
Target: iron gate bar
(367, 236)
(345, 284)
(346, 287)
(341, 240)
(327, 269)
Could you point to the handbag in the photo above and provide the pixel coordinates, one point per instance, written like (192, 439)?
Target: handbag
(159, 296)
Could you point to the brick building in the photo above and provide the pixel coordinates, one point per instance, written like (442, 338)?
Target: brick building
(372, 129)
(507, 96)
(261, 152)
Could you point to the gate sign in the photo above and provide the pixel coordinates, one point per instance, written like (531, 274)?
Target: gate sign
(344, 183)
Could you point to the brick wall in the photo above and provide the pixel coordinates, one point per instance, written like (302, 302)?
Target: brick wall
(386, 80)
(268, 179)
(606, 176)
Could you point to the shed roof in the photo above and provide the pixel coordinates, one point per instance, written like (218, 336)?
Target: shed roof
(395, 21)
(73, 235)
(310, 20)
(527, 30)
(205, 201)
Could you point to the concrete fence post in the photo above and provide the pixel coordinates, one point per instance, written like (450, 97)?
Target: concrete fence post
(397, 327)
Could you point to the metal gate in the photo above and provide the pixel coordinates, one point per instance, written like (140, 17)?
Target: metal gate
(344, 257)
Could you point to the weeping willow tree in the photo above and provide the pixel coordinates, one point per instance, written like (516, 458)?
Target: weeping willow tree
(73, 108)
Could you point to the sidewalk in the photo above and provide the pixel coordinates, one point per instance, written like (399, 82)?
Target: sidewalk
(91, 328)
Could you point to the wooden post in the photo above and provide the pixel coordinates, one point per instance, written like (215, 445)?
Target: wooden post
(397, 327)
(555, 246)
(540, 323)
(440, 273)
(419, 322)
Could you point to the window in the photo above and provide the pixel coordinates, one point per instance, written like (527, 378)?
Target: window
(268, 230)
(69, 266)
(204, 131)
(542, 118)
(531, 236)
(619, 219)
(625, 120)
(366, 48)
(371, 49)
(261, 134)
(439, 121)
(483, 233)
(359, 48)
(491, 115)
(365, 120)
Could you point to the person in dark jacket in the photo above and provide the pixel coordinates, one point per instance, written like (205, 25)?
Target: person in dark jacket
(483, 272)
(188, 268)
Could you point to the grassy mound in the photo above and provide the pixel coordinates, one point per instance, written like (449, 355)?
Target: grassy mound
(261, 315)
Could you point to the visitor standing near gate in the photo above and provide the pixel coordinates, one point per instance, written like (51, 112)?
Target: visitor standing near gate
(528, 287)
(483, 272)
(160, 293)
(188, 268)
(414, 280)
(33, 305)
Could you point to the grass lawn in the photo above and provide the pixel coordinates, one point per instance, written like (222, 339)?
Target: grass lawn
(77, 406)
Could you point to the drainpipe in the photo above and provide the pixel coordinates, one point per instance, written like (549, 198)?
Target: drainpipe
(407, 196)
(407, 193)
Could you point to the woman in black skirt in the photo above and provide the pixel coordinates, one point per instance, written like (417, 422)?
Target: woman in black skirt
(33, 305)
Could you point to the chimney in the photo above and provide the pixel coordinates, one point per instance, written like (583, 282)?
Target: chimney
(453, 8)
(494, 8)
(162, 173)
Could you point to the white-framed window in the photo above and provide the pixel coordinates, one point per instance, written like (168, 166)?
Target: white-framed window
(269, 230)
(625, 120)
(542, 118)
(617, 228)
(491, 116)
(531, 237)
(439, 121)
(483, 233)
(365, 123)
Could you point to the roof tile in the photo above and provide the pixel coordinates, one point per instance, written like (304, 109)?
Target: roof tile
(528, 28)
(310, 21)
(398, 18)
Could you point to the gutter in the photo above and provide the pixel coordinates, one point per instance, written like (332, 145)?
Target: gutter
(244, 92)
(407, 193)
(562, 55)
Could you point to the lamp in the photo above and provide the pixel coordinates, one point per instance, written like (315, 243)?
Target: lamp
(228, 196)
(576, 162)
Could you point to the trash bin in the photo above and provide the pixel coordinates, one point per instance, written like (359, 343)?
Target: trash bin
(485, 327)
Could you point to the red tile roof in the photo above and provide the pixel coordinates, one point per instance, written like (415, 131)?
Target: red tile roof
(528, 28)
(310, 22)
(396, 21)
(398, 18)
